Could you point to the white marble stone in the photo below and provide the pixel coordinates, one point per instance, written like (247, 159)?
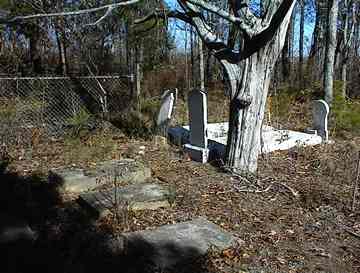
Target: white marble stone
(166, 108)
(197, 154)
(272, 139)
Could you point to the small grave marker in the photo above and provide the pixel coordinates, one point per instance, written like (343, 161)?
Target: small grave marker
(166, 111)
(320, 118)
(198, 147)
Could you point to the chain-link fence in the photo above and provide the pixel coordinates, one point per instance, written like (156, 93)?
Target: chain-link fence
(50, 104)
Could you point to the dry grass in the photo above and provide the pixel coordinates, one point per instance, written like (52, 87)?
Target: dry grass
(276, 231)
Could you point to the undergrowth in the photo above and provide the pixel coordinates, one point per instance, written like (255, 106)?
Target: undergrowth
(345, 113)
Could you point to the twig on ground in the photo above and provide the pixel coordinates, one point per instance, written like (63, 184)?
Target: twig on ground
(356, 184)
(294, 193)
(257, 190)
(347, 229)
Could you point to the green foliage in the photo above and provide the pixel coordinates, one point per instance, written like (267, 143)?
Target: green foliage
(5, 4)
(7, 111)
(79, 123)
(345, 112)
(97, 147)
(134, 124)
(282, 101)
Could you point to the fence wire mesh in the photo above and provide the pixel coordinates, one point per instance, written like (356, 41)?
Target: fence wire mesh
(50, 103)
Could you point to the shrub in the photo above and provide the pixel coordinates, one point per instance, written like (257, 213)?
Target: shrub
(345, 112)
(79, 123)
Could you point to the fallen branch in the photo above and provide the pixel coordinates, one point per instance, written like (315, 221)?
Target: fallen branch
(294, 193)
(356, 184)
(347, 229)
(291, 190)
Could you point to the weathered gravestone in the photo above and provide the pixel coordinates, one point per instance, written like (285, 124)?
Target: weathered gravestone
(174, 245)
(198, 147)
(134, 197)
(166, 111)
(320, 118)
(77, 180)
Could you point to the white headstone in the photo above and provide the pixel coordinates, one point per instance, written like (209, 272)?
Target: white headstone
(198, 147)
(166, 110)
(320, 118)
(198, 119)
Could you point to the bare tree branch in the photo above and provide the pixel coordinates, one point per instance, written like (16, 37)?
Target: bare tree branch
(107, 13)
(108, 8)
(245, 20)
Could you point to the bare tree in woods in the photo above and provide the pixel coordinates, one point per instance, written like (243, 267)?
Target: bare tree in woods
(247, 63)
(248, 56)
(346, 42)
(316, 56)
(302, 4)
(330, 48)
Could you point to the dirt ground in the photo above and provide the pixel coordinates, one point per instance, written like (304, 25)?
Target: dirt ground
(295, 215)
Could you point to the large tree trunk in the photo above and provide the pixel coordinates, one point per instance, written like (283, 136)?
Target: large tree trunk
(330, 49)
(201, 65)
(347, 40)
(250, 80)
(344, 51)
(60, 39)
(316, 56)
(35, 55)
(286, 55)
(301, 43)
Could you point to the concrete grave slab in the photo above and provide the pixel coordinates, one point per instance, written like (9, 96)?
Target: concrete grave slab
(178, 244)
(77, 180)
(136, 197)
(272, 139)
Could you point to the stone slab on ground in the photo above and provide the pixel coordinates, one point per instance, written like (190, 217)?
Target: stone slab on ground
(77, 180)
(13, 229)
(181, 243)
(135, 197)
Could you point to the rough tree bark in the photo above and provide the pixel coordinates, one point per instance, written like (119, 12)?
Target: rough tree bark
(301, 43)
(248, 70)
(330, 48)
(316, 56)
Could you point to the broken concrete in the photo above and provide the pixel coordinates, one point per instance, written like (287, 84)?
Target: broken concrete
(133, 197)
(271, 139)
(77, 180)
(176, 245)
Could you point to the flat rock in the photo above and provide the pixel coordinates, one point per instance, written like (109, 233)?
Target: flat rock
(178, 244)
(134, 197)
(13, 229)
(77, 180)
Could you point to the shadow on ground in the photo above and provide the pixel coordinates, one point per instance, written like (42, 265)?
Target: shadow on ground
(45, 234)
